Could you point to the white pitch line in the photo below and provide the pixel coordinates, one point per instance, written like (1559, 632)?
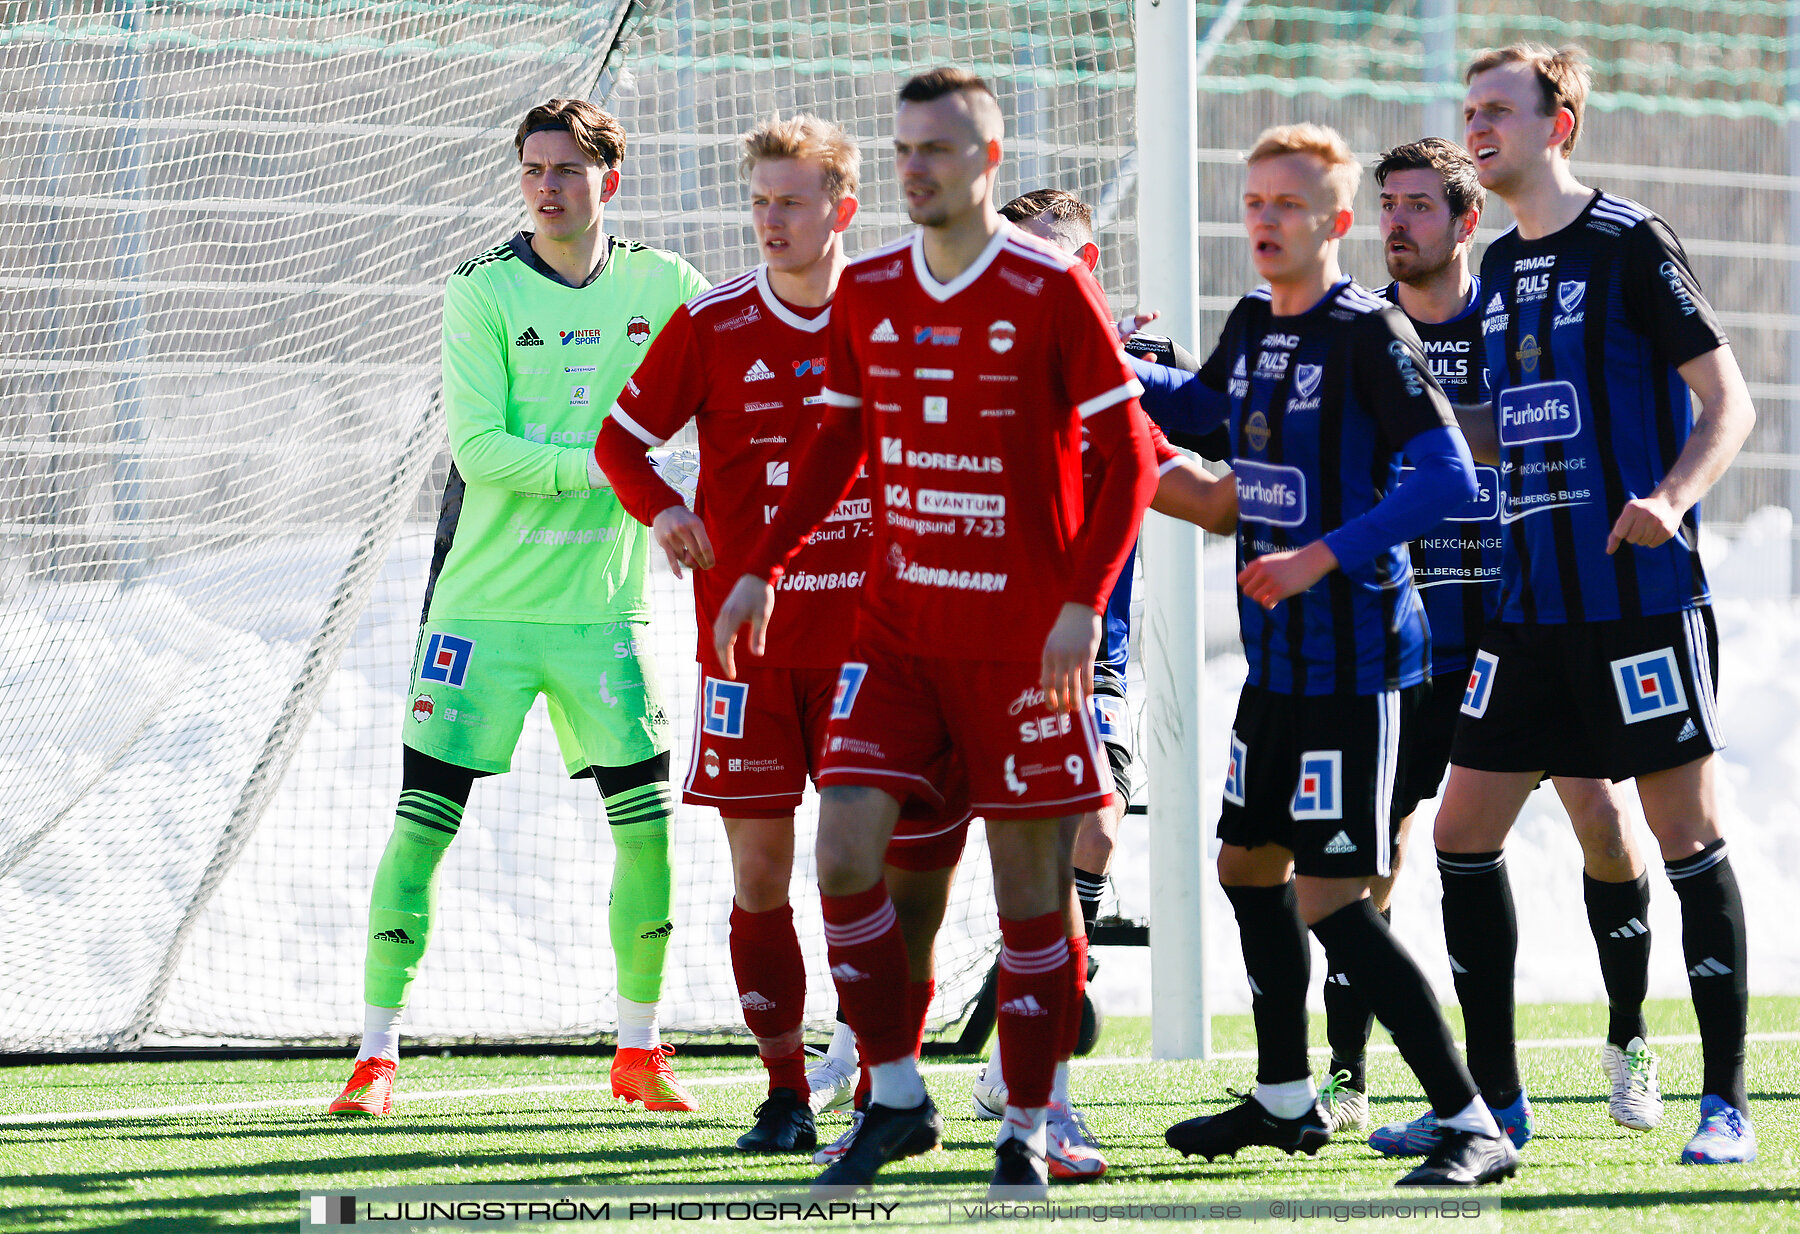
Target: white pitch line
(443, 1094)
(456, 1094)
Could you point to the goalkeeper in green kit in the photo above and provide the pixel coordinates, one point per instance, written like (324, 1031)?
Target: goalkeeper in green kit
(538, 584)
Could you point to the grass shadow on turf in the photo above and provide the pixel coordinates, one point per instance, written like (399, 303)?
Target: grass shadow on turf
(1645, 1199)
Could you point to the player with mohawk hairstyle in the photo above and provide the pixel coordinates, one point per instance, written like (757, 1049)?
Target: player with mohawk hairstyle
(745, 362)
(962, 364)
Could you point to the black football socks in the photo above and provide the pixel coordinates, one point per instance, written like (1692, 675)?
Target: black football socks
(1619, 916)
(1712, 942)
(1481, 930)
(1278, 960)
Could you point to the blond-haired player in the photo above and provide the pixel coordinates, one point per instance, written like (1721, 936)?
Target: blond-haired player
(1327, 388)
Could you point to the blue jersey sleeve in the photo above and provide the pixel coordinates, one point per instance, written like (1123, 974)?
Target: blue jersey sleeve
(1443, 478)
(1179, 402)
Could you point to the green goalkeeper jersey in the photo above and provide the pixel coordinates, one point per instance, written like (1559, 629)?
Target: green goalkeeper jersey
(531, 367)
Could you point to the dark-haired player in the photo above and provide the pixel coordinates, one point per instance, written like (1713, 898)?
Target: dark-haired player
(1430, 205)
(963, 364)
(1326, 387)
(539, 577)
(1183, 491)
(1601, 660)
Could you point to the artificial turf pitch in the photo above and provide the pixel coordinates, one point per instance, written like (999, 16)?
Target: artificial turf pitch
(120, 1146)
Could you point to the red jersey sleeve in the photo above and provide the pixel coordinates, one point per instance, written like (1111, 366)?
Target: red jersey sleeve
(1094, 373)
(665, 392)
(1097, 380)
(1164, 452)
(843, 380)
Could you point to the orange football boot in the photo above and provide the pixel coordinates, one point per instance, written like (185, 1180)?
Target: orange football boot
(370, 1090)
(644, 1075)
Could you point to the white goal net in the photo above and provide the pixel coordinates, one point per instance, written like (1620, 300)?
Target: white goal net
(224, 229)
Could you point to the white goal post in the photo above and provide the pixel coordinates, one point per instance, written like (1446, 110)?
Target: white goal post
(1174, 661)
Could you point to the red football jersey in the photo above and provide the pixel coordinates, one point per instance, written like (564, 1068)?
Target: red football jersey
(972, 396)
(747, 369)
(1093, 469)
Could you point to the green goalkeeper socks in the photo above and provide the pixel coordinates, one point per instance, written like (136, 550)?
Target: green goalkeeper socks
(400, 908)
(642, 887)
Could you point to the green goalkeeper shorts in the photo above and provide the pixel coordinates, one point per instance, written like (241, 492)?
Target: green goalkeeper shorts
(474, 681)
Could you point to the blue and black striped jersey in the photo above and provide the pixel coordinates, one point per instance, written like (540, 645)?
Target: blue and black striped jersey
(1456, 566)
(1585, 331)
(1321, 404)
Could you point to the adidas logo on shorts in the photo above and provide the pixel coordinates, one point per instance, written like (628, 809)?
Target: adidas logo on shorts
(1688, 731)
(396, 936)
(1339, 844)
(1028, 1005)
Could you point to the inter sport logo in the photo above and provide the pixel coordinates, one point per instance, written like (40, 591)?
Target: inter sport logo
(447, 659)
(1649, 686)
(581, 338)
(724, 714)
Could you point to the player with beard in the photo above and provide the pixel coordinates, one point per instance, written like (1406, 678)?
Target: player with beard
(1601, 658)
(1325, 389)
(1430, 206)
(1183, 491)
(966, 359)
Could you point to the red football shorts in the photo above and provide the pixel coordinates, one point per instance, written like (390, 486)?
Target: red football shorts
(757, 738)
(894, 717)
(928, 836)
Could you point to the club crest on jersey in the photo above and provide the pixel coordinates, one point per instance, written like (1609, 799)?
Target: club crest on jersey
(638, 330)
(724, 713)
(1001, 335)
(422, 708)
(447, 659)
(1307, 378)
(710, 761)
(1649, 686)
(815, 366)
(1234, 771)
(849, 682)
(1319, 792)
(1570, 295)
(1481, 684)
(937, 336)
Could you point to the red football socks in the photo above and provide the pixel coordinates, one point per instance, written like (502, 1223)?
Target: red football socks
(771, 982)
(868, 963)
(1033, 993)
